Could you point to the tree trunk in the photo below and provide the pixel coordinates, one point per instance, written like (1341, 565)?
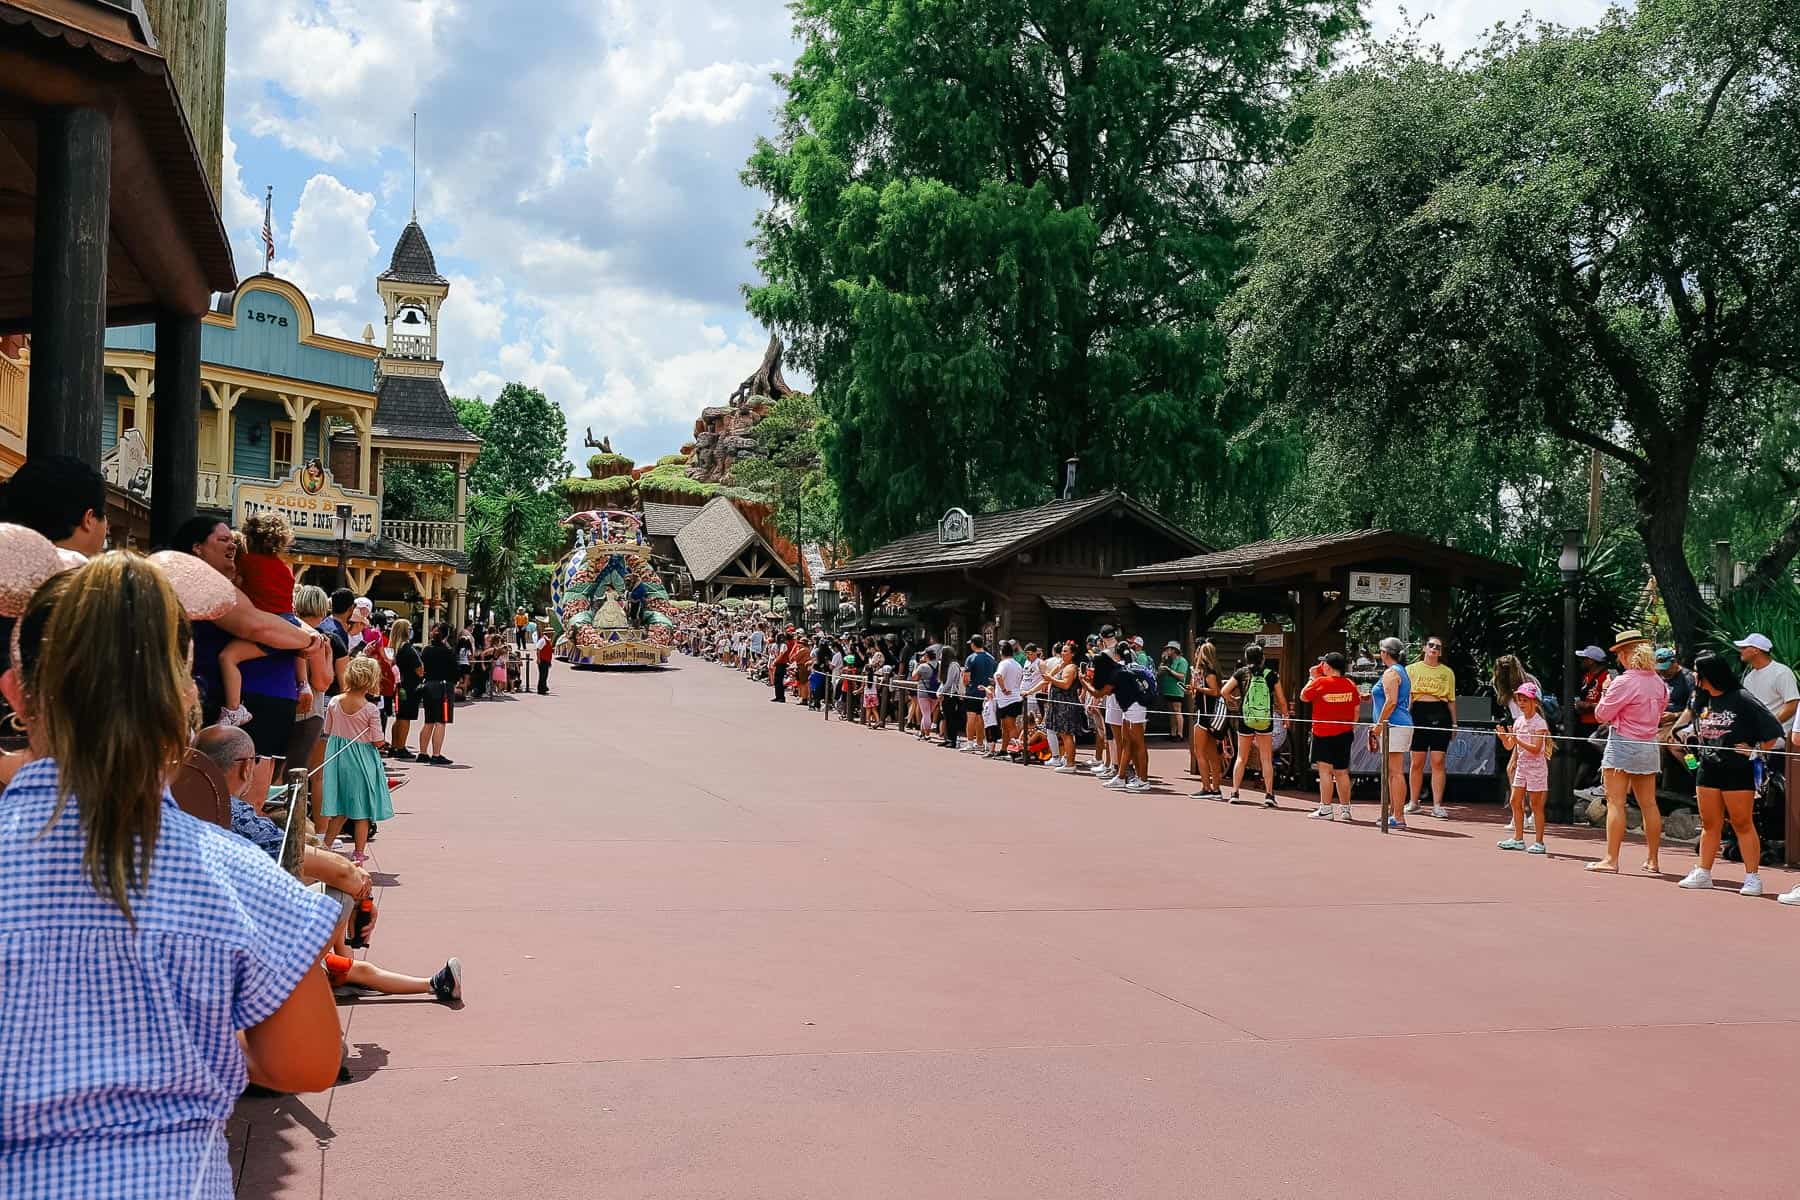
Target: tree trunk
(1662, 500)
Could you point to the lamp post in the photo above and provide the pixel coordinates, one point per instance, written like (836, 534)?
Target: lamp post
(1562, 806)
(828, 606)
(343, 547)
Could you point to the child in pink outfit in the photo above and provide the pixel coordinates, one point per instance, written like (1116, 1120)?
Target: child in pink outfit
(1529, 740)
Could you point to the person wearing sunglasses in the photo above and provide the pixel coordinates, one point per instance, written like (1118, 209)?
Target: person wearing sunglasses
(1434, 722)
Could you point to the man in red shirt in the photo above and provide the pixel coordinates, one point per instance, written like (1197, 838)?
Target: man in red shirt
(1334, 699)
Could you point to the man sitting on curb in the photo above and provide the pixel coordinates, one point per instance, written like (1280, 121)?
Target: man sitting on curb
(247, 780)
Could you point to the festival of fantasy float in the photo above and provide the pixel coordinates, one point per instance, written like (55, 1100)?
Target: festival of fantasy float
(614, 608)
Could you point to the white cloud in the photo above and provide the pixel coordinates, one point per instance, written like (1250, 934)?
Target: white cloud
(330, 252)
(240, 211)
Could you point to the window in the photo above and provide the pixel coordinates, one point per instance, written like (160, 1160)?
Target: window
(127, 416)
(281, 452)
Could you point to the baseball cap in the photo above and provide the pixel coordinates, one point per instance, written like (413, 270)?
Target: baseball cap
(1528, 689)
(1593, 652)
(1756, 641)
(1664, 656)
(364, 603)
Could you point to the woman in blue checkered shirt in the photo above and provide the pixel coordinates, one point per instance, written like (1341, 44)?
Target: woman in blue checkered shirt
(149, 963)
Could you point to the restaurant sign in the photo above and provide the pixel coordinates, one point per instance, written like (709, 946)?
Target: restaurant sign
(309, 499)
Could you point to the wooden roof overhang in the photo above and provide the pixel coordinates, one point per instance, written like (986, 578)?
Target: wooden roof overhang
(168, 250)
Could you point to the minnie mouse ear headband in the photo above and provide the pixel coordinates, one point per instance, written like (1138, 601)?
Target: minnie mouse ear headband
(205, 594)
(27, 558)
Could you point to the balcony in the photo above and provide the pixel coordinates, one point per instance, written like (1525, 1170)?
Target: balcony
(212, 492)
(426, 535)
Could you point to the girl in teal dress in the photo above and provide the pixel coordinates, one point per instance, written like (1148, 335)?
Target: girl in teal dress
(356, 787)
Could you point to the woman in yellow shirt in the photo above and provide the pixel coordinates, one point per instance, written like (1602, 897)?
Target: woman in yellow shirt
(1434, 716)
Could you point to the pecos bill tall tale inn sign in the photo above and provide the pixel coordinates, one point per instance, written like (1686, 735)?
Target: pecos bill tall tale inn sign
(308, 499)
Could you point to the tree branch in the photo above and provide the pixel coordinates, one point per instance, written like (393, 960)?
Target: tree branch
(1606, 446)
(1774, 563)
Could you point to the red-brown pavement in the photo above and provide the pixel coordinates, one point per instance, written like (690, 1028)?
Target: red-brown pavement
(716, 947)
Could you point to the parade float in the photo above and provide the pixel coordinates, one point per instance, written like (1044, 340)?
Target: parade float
(614, 608)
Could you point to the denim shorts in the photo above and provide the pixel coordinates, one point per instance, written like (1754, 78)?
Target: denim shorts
(1631, 756)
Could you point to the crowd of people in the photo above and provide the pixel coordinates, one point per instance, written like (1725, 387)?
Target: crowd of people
(161, 964)
(1084, 708)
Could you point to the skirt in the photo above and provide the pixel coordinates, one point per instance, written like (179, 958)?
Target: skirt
(1065, 713)
(1631, 757)
(355, 784)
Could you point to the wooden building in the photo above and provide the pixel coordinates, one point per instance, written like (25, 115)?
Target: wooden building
(109, 214)
(726, 555)
(1035, 574)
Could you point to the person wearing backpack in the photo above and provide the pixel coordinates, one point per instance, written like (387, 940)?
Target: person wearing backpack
(1256, 686)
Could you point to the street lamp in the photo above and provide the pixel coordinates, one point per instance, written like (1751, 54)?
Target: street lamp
(343, 544)
(828, 606)
(1569, 564)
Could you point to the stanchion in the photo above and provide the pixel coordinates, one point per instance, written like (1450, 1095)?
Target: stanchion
(298, 822)
(1382, 750)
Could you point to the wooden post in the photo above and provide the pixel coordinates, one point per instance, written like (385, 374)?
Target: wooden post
(73, 221)
(175, 467)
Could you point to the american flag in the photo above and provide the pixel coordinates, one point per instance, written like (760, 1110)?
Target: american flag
(268, 230)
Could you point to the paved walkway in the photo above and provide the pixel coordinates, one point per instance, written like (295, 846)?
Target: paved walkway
(717, 948)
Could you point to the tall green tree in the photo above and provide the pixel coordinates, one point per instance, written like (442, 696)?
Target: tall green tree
(1593, 233)
(998, 232)
(789, 469)
(523, 438)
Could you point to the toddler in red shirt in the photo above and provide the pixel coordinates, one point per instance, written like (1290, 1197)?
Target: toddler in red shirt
(269, 583)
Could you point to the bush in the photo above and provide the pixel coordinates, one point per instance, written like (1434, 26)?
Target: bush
(605, 466)
(616, 491)
(1772, 610)
(1528, 621)
(672, 460)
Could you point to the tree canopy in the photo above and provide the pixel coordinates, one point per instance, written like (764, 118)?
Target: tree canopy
(1589, 236)
(999, 230)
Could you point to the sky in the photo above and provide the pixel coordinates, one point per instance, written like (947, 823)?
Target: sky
(578, 176)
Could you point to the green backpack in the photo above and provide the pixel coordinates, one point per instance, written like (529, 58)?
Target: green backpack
(1259, 703)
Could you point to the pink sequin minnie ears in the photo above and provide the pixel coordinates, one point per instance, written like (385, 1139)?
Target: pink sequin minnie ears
(27, 558)
(205, 594)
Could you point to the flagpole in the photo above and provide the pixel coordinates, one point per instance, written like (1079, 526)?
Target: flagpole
(268, 230)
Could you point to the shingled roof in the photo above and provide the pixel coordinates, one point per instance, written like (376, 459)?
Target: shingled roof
(418, 409)
(997, 536)
(413, 261)
(389, 550)
(667, 520)
(1268, 561)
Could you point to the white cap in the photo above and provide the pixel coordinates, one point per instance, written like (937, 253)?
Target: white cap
(1756, 641)
(364, 603)
(1593, 653)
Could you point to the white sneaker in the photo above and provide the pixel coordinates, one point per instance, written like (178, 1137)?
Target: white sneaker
(1597, 792)
(1117, 783)
(1530, 823)
(1056, 762)
(1698, 879)
(1106, 773)
(1343, 812)
(1440, 812)
(1412, 806)
(235, 716)
(1066, 770)
(1138, 785)
(1752, 886)
(1321, 813)
(1792, 897)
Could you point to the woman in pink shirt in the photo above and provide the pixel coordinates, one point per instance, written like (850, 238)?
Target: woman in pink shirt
(1632, 707)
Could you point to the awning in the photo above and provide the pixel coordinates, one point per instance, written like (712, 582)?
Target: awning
(1094, 604)
(1163, 603)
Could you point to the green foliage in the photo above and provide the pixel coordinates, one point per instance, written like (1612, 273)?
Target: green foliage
(617, 491)
(509, 538)
(472, 415)
(991, 216)
(672, 460)
(672, 483)
(1772, 610)
(600, 465)
(1528, 621)
(1584, 235)
(412, 491)
(523, 443)
(789, 473)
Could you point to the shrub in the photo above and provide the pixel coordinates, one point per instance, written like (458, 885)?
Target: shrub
(1772, 610)
(605, 466)
(616, 491)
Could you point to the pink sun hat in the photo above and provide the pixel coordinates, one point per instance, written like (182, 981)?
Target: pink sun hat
(27, 558)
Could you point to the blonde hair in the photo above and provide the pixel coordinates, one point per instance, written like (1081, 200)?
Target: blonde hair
(310, 601)
(1208, 654)
(1641, 657)
(400, 633)
(268, 533)
(112, 698)
(361, 674)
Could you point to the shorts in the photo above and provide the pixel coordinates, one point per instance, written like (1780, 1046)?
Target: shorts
(1631, 757)
(436, 706)
(337, 969)
(406, 707)
(1434, 713)
(1010, 712)
(1034, 708)
(1135, 715)
(1400, 739)
(1113, 715)
(1332, 749)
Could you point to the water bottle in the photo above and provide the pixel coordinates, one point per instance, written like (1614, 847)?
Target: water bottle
(1756, 768)
(1692, 763)
(359, 925)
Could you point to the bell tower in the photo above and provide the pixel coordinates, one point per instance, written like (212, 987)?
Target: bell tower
(411, 293)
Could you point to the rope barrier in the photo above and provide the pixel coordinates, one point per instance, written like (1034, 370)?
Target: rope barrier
(907, 685)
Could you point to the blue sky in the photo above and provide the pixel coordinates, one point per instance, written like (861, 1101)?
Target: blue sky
(578, 179)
